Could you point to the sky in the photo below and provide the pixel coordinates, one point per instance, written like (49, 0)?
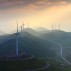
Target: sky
(36, 13)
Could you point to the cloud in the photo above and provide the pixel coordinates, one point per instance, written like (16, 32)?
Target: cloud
(33, 1)
(31, 4)
(53, 11)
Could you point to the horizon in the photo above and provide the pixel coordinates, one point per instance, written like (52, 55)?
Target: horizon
(39, 29)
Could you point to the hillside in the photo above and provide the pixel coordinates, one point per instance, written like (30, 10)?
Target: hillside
(62, 38)
(27, 31)
(29, 44)
(43, 48)
(55, 35)
(42, 30)
(2, 33)
(29, 64)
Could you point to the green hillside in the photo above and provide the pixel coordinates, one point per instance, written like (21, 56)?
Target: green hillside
(62, 38)
(29, 44)
(25, 65)
(41, 47)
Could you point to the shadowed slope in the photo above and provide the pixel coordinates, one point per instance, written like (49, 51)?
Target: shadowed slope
(29, 44)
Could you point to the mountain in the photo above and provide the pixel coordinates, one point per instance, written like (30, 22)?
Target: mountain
(6, 37)
(39, 47)
(60, 37)
(55, 35)
(2, 33)
(42, 30)
(30, 44)
(17, 62)
(30, 31)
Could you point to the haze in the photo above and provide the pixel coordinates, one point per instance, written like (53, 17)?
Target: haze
(38, 13)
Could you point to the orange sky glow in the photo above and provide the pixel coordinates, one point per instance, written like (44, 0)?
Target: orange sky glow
(38, 14)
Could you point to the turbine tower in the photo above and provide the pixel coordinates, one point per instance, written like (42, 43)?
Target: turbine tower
(21, 30)
(17, 40)
(23, 26)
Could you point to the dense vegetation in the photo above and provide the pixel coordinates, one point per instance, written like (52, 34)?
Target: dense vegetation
(19, 65)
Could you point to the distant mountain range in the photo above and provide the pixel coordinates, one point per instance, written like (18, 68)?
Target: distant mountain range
(42, 30)
(30, 31)
(2, 33)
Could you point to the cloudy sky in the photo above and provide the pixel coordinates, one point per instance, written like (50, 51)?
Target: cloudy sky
(38, 13)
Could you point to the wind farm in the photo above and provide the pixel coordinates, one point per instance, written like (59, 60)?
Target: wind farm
(35, 35)
(25, 46)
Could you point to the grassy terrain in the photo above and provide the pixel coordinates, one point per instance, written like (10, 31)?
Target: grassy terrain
(19, 65)
(30, 44)
(40, 47)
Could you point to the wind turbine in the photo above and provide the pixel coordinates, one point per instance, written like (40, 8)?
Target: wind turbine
(21, 30)
(17, 40)
(23, 26)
